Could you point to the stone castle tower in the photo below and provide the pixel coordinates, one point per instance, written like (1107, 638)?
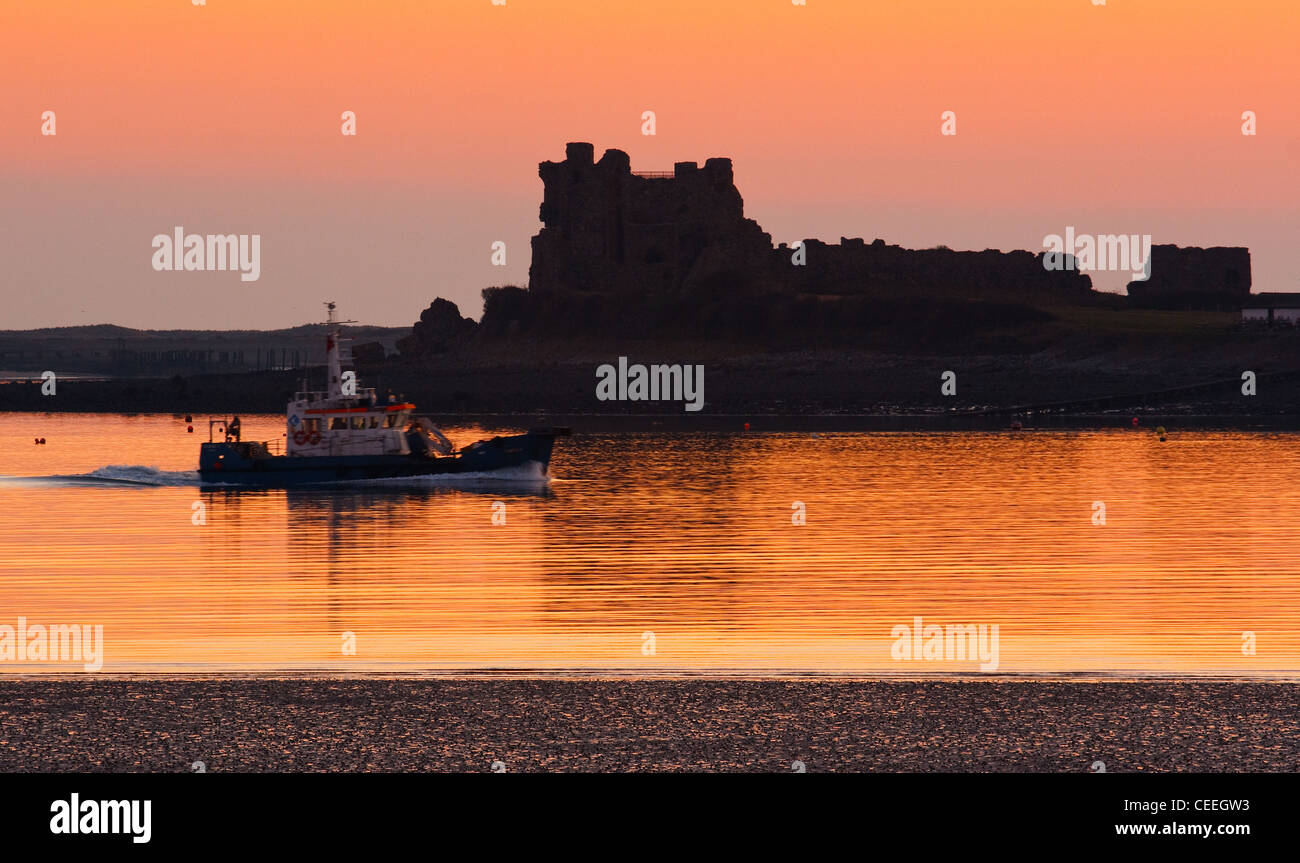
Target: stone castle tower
(606, 229)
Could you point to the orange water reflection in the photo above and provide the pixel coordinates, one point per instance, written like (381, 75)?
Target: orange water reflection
(686, 536)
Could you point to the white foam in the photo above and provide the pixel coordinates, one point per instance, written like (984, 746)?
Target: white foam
(123, 474)
(118, 474)
(133, 474)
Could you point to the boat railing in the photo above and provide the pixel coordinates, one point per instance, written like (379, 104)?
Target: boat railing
(363, 393)
(260, 448)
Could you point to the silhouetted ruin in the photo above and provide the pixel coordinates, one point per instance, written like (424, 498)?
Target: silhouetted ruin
(1194, 278)
(671, 255)
(609, 230)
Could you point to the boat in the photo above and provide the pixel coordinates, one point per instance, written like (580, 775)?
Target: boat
(346, 434)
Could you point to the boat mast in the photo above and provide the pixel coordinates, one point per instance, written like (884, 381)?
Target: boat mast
(335, 361)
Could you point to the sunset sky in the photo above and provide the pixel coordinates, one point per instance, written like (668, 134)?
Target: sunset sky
(225, 118)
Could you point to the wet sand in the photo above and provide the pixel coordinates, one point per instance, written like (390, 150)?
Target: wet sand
(548, 724)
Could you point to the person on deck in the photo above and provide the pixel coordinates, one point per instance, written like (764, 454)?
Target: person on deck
(232, 430)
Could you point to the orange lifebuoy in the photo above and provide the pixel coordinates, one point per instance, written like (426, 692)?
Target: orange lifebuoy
(315, 438)
(300, 437)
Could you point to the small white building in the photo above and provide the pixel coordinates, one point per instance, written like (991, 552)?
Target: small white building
(1272, 308)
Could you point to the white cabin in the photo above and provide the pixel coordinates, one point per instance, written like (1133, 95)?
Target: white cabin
(345, 419)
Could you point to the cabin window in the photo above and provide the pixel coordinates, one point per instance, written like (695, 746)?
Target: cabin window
(311, 425)
(358, 422)
(374, 422)
(390, 421)
(338, 423)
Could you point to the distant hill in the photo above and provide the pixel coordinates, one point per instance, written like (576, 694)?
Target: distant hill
(123, 351)
(115, 331)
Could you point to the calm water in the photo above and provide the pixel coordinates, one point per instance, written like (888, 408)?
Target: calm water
(686, 536)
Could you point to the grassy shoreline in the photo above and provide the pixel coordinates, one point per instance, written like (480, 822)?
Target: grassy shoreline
(811, 387)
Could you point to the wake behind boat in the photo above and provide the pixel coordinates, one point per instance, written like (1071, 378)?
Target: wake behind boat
(345, 434)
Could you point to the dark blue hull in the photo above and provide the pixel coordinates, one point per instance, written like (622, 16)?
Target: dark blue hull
(249, 464)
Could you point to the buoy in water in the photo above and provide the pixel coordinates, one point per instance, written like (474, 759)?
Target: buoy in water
(189, 429)
(189, 418)
(1160, 432)
(1016, 426)
(1135, 422)
(746, 426)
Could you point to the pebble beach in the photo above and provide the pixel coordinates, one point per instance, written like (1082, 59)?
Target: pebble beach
(507, 724)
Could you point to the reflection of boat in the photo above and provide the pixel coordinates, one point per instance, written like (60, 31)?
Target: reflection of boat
(353, 500)
(346, 434)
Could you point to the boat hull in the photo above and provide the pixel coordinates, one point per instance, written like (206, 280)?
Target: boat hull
(246, 464)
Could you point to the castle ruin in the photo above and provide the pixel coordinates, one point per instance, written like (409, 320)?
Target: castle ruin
(607, 230)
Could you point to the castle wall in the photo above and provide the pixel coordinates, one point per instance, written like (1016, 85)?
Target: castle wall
(856, 267)
(608, 230)
(1194, 278)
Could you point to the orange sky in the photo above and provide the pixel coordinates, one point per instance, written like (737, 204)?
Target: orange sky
(225, 118)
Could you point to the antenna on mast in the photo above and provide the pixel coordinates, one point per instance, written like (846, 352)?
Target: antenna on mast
(333, 355)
